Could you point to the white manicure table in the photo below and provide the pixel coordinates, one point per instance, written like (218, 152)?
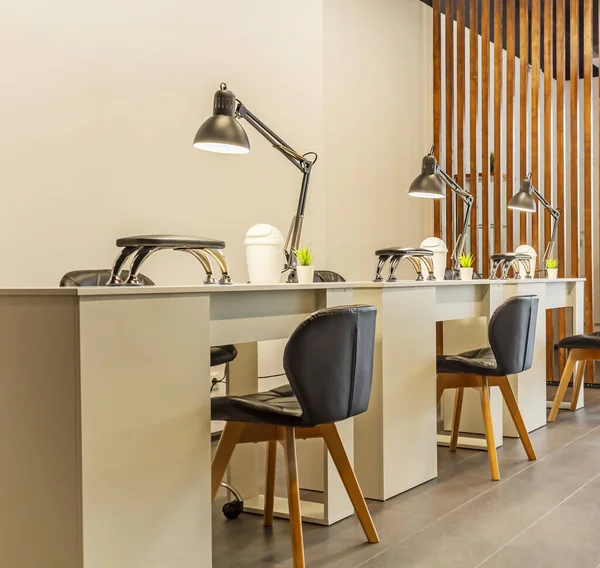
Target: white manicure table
(105, 407)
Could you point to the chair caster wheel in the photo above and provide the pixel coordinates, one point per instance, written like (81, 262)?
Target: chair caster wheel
(233, 509)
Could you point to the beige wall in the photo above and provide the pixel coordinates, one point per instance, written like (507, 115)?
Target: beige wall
(99, 103)
(378, 126)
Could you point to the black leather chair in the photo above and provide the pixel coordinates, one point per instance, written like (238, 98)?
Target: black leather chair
(582, 348)
(327, 276)
(328, 361)
(511, 334)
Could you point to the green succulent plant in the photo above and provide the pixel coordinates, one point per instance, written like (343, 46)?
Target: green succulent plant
(551, 263)
(304, 255)
(466, 260)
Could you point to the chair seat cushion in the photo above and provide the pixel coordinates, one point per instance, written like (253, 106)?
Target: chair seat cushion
(222, 354)
(583, 341)
(476, 362)
(278, 406)
(170, 242)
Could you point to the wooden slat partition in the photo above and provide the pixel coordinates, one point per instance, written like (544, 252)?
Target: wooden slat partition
(560, 159)
(497, 125)
(535, 116)
(460, 108)
(449, 116)
(523, 115)
(587, 174)
(437, 105)
(473, 116)
(485, 143)
(574, 139)
(547, 187)
(510, 117)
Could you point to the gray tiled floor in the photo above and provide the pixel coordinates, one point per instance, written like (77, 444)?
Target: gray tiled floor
(543, 514)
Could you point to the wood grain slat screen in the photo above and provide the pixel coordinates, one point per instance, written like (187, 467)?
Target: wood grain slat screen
(535, 116)
(498, 4)
(437, 104)
(485, 143)
(553, 136)
(523, 110)
(560, 158)
(588, 266)
(510, 116)
(473, 118)
(547, 186)
(460, 107)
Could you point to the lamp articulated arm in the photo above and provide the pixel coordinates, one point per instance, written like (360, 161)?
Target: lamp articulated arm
(555, 214)
(304, 164)
(461, 240)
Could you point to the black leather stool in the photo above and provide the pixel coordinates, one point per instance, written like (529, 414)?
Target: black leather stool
(582, 348)
(511, 334)
(328, 361)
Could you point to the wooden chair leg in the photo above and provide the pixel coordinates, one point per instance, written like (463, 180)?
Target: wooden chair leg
(270, 482)
(229, 439)
(458, 402)
(562, 386)
(513, 408)
(577, 382)
(440, 392)
(291, 466)
(342, 463)
(489, 429)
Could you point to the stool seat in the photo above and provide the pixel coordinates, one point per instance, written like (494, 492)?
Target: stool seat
(170, 242)
(222, 354)
(583, 341)
(511, 256)
(475, 362)
(278, 406)
(403, 251)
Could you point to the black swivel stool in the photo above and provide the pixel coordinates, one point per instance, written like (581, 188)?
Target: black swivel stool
(582, 348)
(328, 361)
(511, 334)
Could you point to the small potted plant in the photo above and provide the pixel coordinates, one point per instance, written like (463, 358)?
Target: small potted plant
(466, 266)
(304, 268)
(551, 268)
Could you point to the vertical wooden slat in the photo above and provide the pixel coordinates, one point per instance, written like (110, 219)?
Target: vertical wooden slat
(510, 117)
(547, 188)
(587, 175)
(574, 139)
(535, 117)
(437, 105)
(485, 142)
(560, 159)
(449, 115)
(473, 113)
(460, 108)
(523, 88)
(498, 125)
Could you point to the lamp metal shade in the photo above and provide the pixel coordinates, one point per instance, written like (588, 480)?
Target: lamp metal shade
(523, 200)
(428, 183)
(222, 132)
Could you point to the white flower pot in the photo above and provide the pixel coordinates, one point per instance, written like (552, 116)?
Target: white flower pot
(466, 273)
(552, 273)
(305, 274)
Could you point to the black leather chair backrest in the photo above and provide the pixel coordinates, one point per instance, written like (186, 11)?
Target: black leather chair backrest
(327, 276)
(328, 361)
(512, 334)
(95, 278)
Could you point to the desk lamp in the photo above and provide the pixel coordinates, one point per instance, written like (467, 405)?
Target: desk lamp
(523, 201)
(223, 133)
(430, 183)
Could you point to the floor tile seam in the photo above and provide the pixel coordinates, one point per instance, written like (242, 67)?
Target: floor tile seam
(494, 487)
(550, 511)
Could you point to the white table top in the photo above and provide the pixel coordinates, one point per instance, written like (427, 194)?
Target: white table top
(221, 289)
